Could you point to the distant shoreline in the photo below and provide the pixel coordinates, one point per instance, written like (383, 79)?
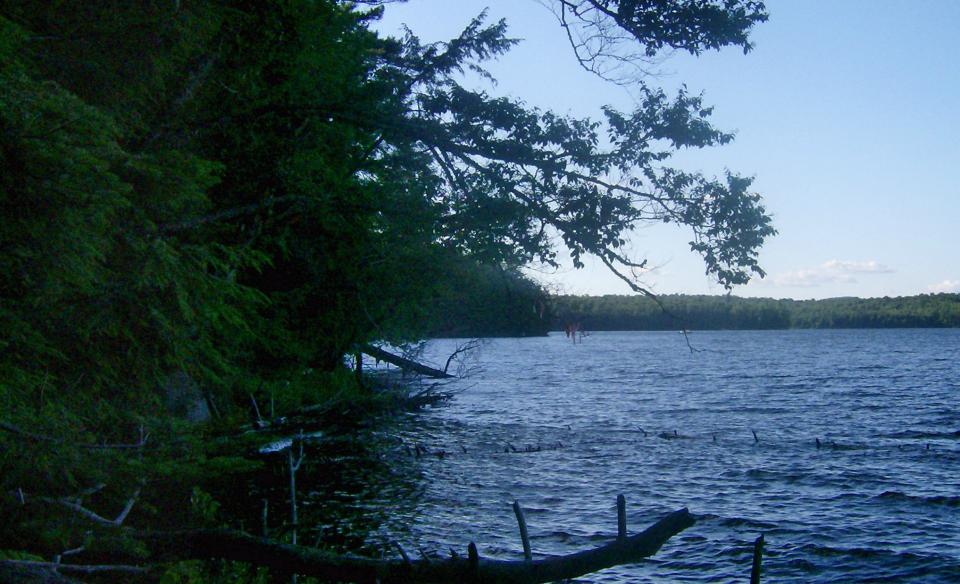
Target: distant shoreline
(705, 312)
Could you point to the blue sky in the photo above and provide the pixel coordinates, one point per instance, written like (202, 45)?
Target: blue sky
(846, 112)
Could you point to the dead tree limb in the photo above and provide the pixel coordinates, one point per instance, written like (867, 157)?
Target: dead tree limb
(404, 363)
(327, 566)
(462, 348)
(522, 525)
(74, 504)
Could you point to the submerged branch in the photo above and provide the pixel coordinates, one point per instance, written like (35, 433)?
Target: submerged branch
(327, 566)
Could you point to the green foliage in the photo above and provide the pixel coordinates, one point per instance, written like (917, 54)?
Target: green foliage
(203, 507)
(196, 572)
(485, 301)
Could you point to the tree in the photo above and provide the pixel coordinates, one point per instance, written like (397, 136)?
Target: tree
(243, 192)
(510, 174)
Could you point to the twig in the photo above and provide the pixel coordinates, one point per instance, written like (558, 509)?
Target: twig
(256, 410)
(462, 348)
(656, 299)
(74, 551)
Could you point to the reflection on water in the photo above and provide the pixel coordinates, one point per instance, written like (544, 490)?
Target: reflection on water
(564, 428)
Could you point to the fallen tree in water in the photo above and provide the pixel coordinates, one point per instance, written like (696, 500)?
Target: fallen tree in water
(404, 363)
(289, 559)
(327, 566)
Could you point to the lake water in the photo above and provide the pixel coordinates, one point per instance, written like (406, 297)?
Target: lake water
(638, 414)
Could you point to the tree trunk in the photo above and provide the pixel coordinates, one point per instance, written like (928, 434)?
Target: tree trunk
(404, 363)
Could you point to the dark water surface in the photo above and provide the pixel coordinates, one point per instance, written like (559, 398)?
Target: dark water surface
(637, 413)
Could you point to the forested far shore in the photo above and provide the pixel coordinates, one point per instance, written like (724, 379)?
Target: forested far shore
(706, 312)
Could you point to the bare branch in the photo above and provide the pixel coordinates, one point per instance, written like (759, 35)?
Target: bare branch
(641, 290)
(461, 348)
(74, 505)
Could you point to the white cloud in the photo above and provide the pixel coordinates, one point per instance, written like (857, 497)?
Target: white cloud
(870, 267)
(945, 286)
(829, 272)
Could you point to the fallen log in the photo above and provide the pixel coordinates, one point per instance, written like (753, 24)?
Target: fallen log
(404, 363)
(331, 567)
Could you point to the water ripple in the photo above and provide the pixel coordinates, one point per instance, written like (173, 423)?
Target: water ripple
(840, 446)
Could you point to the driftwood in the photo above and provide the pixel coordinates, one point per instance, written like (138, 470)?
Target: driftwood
(404, 363)
(327, 566)
(292, 559)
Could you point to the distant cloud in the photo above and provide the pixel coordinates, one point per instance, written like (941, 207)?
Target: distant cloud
(870, 267)
(832, 271)
(945, 286)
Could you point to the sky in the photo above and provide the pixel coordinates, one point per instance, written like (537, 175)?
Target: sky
(847, 113)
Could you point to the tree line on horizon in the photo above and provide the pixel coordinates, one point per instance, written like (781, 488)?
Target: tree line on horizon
(712, 312)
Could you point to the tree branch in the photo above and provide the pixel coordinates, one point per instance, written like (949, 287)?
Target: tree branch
(641, 290)
(74, 505)
(403, 363)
